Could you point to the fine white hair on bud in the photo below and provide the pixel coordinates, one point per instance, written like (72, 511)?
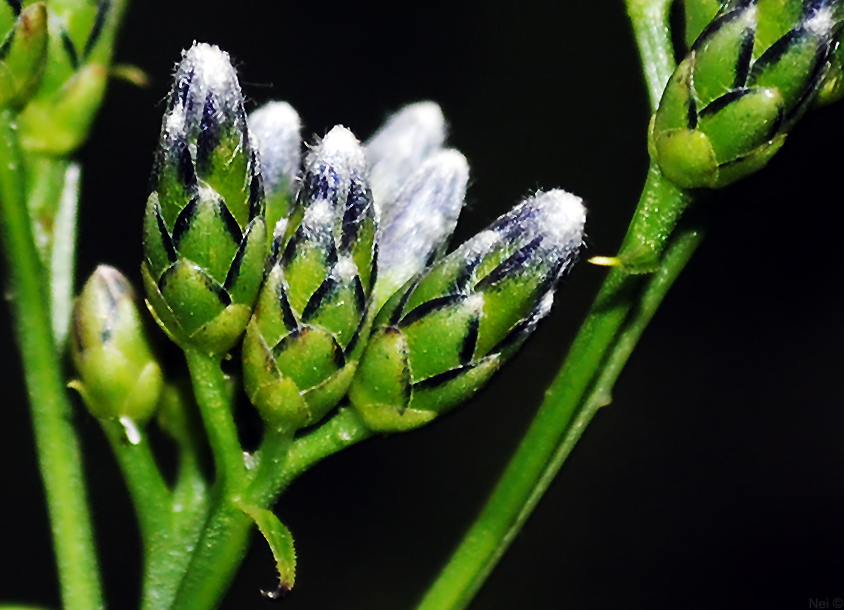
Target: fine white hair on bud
(416, 228)
(542, 235)
(331, 167)
(821, 22)
(276, 127)
(341, 147)
(205, 87)
(556, 215)
(401, 145)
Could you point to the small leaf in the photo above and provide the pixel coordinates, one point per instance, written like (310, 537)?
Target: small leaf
(281, 545)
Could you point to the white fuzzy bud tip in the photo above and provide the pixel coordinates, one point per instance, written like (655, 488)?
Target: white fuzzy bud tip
(422, 218)
(211, 65)
(276, 128)
(401, 145)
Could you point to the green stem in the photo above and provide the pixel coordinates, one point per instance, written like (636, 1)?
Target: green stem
(599, 352)
(343, 430)
(57, 445)
(651, 30)
(169, 522)
(146, 486)
(550, 435)
(675, 259)
(172, 550)
(226, 536)
(52, 185)
(212, 397)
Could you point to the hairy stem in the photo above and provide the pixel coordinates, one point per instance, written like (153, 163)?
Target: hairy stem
(56, 442)
(226, 536)
(649, 19)
(212, 397)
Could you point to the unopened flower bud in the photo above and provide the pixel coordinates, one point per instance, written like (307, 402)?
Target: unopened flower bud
(415, 229)
(312, 315)
(746, 81)
(400, 146)
(118, 374)
(275, 127)
(204, 230)
(442, 336)
(81, 40)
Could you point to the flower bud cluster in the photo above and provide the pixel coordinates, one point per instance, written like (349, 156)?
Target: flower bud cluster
(345, 290)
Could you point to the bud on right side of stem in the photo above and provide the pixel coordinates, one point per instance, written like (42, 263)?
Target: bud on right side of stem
(748, 78)
(443, 335)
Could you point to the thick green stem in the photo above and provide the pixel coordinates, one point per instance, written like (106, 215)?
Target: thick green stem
(59, 455)
(226, 536)
(674, 261)
(212, 396)
(170, 551)
(650, 27)
(168, 522)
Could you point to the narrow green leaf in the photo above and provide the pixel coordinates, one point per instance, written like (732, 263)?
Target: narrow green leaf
(281, 545)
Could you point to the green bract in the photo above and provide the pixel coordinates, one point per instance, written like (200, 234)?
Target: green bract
(118, 374)
(204, 230)
(698, 14)
(23, 52)
(747, 79)
(446, 331)
(312, 316)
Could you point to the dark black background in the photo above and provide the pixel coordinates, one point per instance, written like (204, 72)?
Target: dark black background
(713, 479)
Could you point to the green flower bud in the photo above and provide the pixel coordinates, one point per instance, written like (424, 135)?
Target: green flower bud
(415, 228)
(747, 79)
(81, 40)
(204, 231)
(276, 127)
(442, 336)
(118, 374)
(23, 54)
(400, 146)
(312, 315)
